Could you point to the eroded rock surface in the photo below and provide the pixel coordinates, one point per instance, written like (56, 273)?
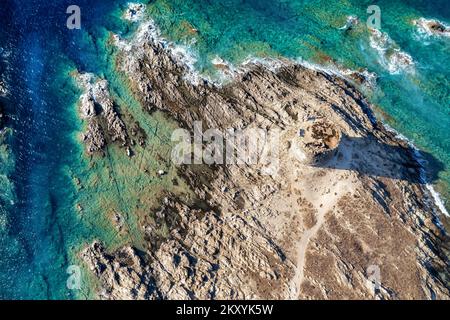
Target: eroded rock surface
(308, 230)
(103, 121)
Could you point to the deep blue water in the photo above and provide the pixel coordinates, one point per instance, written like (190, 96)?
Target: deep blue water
(41, 225)
(42, 228)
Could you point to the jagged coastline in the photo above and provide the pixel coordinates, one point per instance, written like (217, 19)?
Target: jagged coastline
(309, 231)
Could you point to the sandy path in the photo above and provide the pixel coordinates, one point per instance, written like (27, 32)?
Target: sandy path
(323, 202)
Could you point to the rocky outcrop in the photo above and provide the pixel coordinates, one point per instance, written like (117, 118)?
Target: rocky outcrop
(124, 276)
(134, 12)
(432, 27)
(319, 141)
(390, 55)
(287, 228)
(196, 259)
(98, 110)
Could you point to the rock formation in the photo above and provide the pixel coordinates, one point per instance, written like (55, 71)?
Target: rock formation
(97, 108)
(313, 229)
(318, 141)
(432, 27)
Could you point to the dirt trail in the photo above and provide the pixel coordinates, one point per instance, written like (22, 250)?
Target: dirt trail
(322, 202)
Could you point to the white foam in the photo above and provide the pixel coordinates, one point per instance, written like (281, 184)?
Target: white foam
(422, 173)
(390, 55)
(93, 87)
(149, 32)
(275, 64)
(342, 72)
(271, 64)
(186, 56)
(226, 70)
(425, 32)
(351, 21)
(135, 12)
(85, 80)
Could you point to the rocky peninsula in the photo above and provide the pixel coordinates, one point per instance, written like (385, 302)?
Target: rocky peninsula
(348, 195)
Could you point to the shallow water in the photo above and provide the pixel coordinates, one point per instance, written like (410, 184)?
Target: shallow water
(44, 175)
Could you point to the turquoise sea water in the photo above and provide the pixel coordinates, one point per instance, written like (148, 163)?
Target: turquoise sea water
(41, 230)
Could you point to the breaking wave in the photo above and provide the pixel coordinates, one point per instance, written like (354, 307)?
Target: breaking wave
(390, 55)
